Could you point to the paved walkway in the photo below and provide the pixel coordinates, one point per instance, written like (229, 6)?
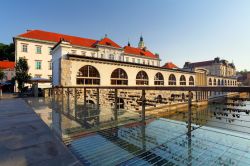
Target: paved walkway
(26, 140)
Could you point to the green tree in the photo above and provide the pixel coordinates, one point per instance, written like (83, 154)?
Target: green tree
(7, 52)
(1, 74)
(22, 75)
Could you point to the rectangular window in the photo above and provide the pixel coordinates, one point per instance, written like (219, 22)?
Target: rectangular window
(120, 58)
(148, 62)
(50, 65)
(24, 47)
(127, 59)
(102, 56)
(143, 61)
(133, 60)
(38, 65)
(138, 61)
(38, 49)
(153, 63)
(73, 51)
(111, 56)
(93, 54)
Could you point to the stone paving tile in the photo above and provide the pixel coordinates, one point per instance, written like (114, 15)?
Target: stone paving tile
(26, 140)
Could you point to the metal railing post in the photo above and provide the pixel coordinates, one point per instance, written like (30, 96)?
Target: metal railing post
(62, 99)
(98, 104)
(115, 109)
(75, 101)
(189, 128)
(68, 104)
(143, 106)
(85, 107)
(84, 98)
(189, 112)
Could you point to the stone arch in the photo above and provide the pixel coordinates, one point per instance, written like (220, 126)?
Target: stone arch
(88, 75)
(142, 78)
(171, 79)
(182, 80)
(158, 79)
(191, 80)
(119, 77)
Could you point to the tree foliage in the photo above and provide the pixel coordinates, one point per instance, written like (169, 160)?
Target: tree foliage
(22, 75)
(7, 52)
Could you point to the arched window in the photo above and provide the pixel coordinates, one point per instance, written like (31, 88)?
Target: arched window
(159, 79)
(141, 78)
(222, 82)
(172, 80)
(88, 75)
(218, 81)
(119, 77)
(182, 80)
(225, 82)
(191, 80)
(210, 82)
(228, 83)
(214, 82)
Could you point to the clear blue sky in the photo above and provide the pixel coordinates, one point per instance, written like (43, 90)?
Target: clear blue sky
(179, 30)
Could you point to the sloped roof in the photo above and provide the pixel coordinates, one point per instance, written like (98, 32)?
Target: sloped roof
(85, 42)
(56, 37)
(7, 65)
(108, 42)
(200, 64)
(138, 51)
(170, 65)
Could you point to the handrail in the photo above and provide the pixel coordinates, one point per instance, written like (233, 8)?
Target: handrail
(171, 88)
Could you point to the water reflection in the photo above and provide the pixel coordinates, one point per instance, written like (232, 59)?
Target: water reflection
(68, 120)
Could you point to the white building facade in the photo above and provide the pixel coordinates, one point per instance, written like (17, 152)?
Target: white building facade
(35, 46)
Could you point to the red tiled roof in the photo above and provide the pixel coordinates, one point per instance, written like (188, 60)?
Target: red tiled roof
(138, 51)
(7, 65)
(108, 42)
(56, 37)
(170, 65)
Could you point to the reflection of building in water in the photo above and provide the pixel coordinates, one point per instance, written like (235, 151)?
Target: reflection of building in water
(42, 109)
